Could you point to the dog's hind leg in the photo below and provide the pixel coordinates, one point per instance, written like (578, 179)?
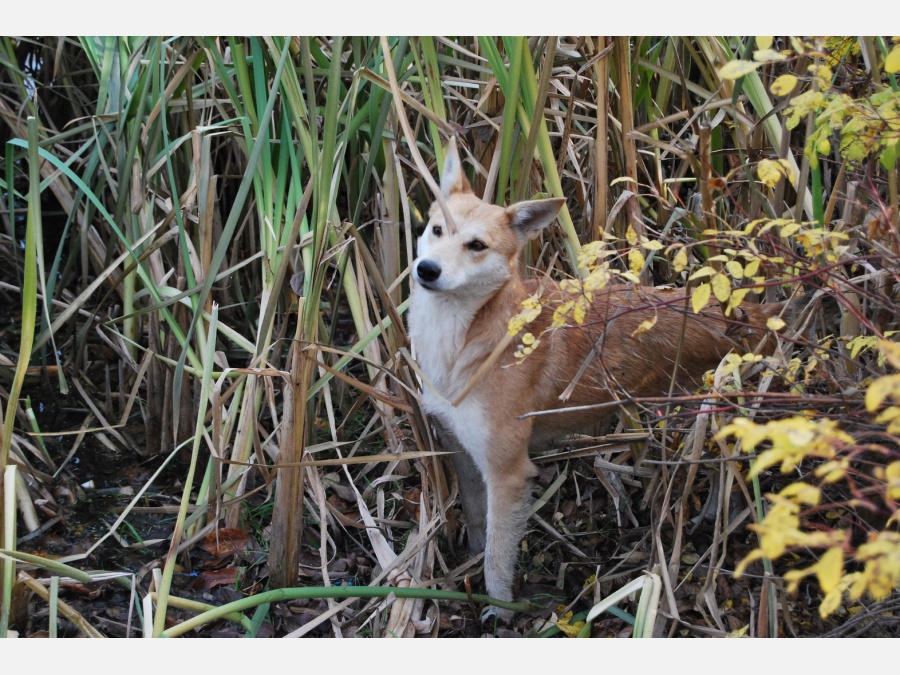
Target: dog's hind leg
(471, 489)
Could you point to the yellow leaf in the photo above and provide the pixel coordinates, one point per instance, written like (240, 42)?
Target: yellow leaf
(751, 268)
(570, 630)
(631, 236)
(892, 62)
(652, 245)
(702, 272)
(832, 471)
(721, 286)
(882, 573)
(644, 326)
(860, 343)
(880, 389)
(735, 69)
(892, 476)
(891, 351)
(831, 602)
(591, 252)
(774, 323)
(578, 312)
(766, 55)
(770, 172)
(680, 261)
(732, 363)
(802, 493)
(830, 569)
(531, 310)
(737, 297)
(739, 633)
(823, 72)
(700, 297)
(793, 440)
(572, 286)
(788, 229)
(784, 85)
(561, 314)
(735, 269)
(890, 417)
(764, 42)
(788, 170)
(635, 261)
(597, 279)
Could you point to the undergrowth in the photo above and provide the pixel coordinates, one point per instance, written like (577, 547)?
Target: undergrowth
(206, 247)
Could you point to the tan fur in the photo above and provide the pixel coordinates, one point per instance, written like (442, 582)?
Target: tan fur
(458, 318)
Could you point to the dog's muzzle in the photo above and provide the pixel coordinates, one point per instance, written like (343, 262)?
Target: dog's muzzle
(427, 272)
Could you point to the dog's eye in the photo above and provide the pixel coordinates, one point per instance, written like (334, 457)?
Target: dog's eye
(437, 231)
(476, 245)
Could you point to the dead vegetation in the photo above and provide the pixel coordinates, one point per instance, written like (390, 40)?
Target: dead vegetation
(206, 270)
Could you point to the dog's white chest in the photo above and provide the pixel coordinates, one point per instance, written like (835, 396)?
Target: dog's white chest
(438, 328)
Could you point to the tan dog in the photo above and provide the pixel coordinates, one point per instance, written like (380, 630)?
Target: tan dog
(467, 285)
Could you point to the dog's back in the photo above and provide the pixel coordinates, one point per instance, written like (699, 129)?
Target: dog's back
(610, 357)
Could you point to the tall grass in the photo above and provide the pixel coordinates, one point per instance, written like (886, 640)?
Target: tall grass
(236, 222)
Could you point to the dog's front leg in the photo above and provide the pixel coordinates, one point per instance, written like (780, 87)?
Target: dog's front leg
(509, 474)
(471, 488)
(474, 499)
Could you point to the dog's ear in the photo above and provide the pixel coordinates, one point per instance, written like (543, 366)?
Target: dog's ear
(529, 218)
(453, 179)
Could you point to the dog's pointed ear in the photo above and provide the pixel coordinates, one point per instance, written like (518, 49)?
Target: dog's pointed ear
(529, 218)
(453, 179)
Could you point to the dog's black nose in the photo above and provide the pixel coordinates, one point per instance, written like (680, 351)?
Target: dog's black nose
(428, 270)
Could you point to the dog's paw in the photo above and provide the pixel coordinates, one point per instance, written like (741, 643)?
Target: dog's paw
(492, 613)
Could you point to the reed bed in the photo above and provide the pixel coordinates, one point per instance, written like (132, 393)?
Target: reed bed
(206, 248)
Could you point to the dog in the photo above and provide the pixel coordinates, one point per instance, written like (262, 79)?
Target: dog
(467, 283)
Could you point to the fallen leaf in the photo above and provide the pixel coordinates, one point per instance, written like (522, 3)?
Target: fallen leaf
(212, 578)
(226, 540)
(570, 630)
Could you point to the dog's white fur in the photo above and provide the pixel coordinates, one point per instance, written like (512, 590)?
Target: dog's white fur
(467, 285)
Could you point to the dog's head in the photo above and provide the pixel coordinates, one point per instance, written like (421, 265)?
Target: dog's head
(477, 252)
